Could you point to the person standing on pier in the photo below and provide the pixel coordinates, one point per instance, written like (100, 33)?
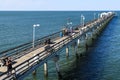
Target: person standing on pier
(9, 65)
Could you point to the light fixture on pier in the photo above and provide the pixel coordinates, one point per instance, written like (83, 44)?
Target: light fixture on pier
(98, 15)
(94, 15)
(69, 22)
(82, 20)
(35, 25)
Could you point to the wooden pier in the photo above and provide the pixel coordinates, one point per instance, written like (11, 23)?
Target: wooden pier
(27, 59)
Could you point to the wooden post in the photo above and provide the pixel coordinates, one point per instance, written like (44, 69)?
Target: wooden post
(76, 53)
(67, 51)
(86, 46)
(45, 69)
(57, 67)
(78, 42)
(86, 36)
(55, 59)
(75, 49)
(34, 72)
(58, 70)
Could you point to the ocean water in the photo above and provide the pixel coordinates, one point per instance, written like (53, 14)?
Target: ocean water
(100, 63)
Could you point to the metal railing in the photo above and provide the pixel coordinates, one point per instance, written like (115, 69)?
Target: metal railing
(23, 49)
(18, 51)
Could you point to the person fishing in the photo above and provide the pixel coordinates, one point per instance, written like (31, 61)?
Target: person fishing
(9, 65)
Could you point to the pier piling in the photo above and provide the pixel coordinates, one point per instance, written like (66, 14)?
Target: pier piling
(67, 51)
(45, 69)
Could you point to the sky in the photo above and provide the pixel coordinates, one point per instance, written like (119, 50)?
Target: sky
(59, 5)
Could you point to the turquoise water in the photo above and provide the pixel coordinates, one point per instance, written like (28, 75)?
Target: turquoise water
(100, 63)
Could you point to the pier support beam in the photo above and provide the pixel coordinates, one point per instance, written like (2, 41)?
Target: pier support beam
(67, 51)
(58, 70)
(56, 59)
(93, 38)
(78, 42)
(86, 36)
(57, 67)
(34, 72)
(45, 69)
(75, 47)
(86, 46)
(75, 50)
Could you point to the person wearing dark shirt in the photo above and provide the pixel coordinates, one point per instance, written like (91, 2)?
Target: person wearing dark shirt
(9, 65)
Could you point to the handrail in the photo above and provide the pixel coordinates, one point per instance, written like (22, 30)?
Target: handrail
(23, 47)
(15, 49)
(28, 45)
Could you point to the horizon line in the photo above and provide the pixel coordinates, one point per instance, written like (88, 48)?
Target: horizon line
(59, 10)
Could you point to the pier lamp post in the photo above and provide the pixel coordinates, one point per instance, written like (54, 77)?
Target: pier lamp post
(94, 15)
(35, 25)
(82, 20)
(69, 22)
(98, 15)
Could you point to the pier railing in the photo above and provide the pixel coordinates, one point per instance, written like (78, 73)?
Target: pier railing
(23, 49)
(27, 47)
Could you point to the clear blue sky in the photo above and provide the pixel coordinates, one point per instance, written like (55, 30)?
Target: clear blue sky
(59, 5)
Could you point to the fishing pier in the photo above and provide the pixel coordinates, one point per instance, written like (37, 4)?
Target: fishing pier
(27, 58)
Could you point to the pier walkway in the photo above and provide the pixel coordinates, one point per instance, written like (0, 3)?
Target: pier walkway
(26, 59)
